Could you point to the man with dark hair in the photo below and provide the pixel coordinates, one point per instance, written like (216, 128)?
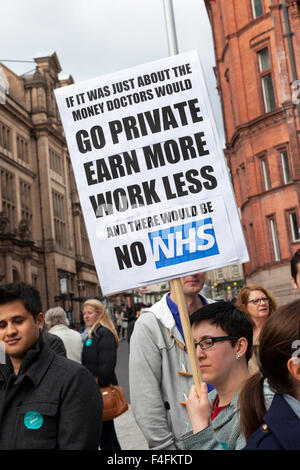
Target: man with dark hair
(295, 270)
(46, 401)
(223, 341)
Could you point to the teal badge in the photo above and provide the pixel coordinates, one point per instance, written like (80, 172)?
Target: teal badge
(33, 420)
(88, 342)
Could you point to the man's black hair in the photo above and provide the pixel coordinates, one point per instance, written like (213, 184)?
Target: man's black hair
(27, 294)
(229, 318)
(294, 261)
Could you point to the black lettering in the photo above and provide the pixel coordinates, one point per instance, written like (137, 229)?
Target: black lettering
(191, 178)
(138, 253)
(83, 142)
(167, 187)
(200, 144)
(179, 184)
(123, 257)
(151, 195)
(153, 156)
(89, 173)
(211, 180)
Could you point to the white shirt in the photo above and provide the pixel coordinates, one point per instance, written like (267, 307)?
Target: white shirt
(71, 339)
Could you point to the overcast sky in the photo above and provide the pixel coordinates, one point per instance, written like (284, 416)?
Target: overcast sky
(96, 37)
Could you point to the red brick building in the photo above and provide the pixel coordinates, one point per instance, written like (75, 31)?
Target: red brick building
(257, 49)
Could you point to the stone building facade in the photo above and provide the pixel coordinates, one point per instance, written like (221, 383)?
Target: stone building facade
(43, 240)
(257, 51)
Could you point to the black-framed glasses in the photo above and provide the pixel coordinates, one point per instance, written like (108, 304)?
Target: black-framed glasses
(207, 343)
(257, 301)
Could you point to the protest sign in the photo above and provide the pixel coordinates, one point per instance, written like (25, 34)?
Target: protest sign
(151, 175)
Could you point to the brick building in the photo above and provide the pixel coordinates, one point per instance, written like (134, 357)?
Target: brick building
(257, 49)
(43, 240)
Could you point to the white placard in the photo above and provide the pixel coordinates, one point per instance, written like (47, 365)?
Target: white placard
(151, 174)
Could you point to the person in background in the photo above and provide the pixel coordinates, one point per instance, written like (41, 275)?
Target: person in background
(124, 324)
(295, 270)
(46, 401)
(137, 309)
(279, 353)
(58, 324)
(223, 341)
(258, 303)
(159, 368)
(99, 356)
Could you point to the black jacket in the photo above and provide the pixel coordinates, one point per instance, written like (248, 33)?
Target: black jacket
(100, 357)
(57, 395)
(280, 430)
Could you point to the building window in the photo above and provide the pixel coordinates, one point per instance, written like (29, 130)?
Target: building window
(257, 8)
(59, 219)
(8, 196)
(285, 164)
(5, 137)
(266, 175)
(26, 204)
(274, 239)
(219, 273)
(22, 149)
(235, 270)
(56, 162)
(266, 79)
(294, 226)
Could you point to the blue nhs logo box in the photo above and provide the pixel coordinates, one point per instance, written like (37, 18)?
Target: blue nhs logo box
(183, 243)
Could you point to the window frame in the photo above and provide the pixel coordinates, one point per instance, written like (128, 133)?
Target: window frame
(254, 15)
(274, 238)
(268, 72)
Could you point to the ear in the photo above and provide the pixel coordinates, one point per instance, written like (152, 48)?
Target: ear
(293, 365)
(40, 320)
(241, 346)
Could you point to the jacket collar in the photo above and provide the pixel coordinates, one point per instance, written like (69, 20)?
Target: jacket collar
(34, 365)
(227, 413)
(284, 423)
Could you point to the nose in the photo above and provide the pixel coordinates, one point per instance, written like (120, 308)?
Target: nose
(11, 329)
(199, 352)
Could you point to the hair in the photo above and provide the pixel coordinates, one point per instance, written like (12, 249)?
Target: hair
(138, 307)
(25, 293)
(104, 318)
(294, 261)
(56, 316)
(229, 318)
(276, 347)
(242, 300)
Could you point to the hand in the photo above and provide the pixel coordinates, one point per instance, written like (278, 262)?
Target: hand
(199, 409)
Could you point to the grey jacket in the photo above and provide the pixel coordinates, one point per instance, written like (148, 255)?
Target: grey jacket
(224, 432)
(159, 376)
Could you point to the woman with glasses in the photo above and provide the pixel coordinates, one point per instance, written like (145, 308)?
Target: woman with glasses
(223, 342)
(258, 303)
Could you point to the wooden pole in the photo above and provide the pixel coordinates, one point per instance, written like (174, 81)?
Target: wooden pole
(187, 331)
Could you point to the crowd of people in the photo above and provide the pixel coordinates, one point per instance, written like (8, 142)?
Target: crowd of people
(248, 353)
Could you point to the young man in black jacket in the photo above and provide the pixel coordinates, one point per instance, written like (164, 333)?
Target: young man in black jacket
(46, 401)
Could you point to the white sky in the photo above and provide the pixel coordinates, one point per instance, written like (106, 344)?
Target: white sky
(96, 37)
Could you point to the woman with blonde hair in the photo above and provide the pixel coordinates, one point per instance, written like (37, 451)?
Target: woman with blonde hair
(99, 356)
(258, 303)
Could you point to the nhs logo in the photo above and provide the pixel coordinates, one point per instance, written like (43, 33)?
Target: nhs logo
(183, 243)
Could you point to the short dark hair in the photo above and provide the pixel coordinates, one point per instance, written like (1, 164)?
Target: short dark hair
(229, 318)
(294, 261)
(27, 294)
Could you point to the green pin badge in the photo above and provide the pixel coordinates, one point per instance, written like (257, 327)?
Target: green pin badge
(88, 342)
(33, 420)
